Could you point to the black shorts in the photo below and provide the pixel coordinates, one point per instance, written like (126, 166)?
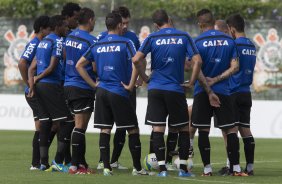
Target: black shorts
(242, 103)
(203, 111)
(33, 104)
(132, 97)
(162, 103)
(110, 108)
(79, 100)
(51, 102)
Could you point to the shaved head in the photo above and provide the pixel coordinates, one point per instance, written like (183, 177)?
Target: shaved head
(221, 25)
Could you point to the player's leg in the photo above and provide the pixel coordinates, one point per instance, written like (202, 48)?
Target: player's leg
(151, 147)
(201, 119)
(192, 132)
(171, 143)
(119, 140)
(156, 117)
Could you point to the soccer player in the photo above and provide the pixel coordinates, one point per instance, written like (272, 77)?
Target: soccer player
(119, 137)
(47, 86)
(79, 94)
(166, 97)
(220, 61)
(112, 56)
(240, 86)
(41, 29)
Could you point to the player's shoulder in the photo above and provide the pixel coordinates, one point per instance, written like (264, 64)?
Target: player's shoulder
(244, 41)
(102, 35)
(131, 34)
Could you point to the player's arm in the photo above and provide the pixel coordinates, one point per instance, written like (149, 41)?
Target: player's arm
(139, 81)
(213, 98)
(23, 67)
(80, 67)
(234, 67)
(31, 73)
(196, 68)
(53, 63)
(138, 61)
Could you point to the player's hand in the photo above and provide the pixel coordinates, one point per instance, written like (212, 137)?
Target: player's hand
(187, 85)
(210, 81)
(214, 100)
(127, 87)
(139, 82)
(30, 93)
(95, 84)
(35, 78)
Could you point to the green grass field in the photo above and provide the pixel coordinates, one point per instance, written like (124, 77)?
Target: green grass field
(15, 158)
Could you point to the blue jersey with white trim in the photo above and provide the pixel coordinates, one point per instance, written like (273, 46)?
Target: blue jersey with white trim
(113, 56)
(76, 44)
(217, 50)
(169, 48)
(29, 53)
(50, 46)
(241, 81)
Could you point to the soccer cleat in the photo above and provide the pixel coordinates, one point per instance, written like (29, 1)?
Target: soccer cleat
(207, 174)
(239, 174)
(185, 174)
(100, 165)
(44, 167)
(191, 152)
(250, 173)
(83, 170)
(107, 172)
(33, 168)
(170, 167)
(73, 169)
(142, 172)
(224, 171)
(117, 165)
(163, 174)
(59, 167)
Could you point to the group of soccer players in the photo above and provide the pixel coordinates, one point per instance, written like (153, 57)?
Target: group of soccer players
(66, 70)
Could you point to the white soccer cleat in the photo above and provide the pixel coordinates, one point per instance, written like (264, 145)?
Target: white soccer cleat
(117, 165)
(171, 167)
(107, 172)
(100, 165)
(33, 168)
(142, 172)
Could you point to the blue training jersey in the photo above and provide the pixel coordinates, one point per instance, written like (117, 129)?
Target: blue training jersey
(29, 53)
(50, 46)
(112, 55)
(241, 81)
(217, 50)
(169, 48)
(76, 44)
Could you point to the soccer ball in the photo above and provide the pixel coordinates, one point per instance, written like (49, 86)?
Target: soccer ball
(151, 162)
(190, 163)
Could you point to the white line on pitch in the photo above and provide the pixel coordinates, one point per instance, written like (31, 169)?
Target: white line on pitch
(219, 163)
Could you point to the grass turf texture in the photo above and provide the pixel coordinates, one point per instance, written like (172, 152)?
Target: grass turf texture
(15, 159)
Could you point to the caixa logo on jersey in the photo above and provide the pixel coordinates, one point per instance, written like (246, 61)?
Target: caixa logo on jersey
(268, 70)
(12, 55)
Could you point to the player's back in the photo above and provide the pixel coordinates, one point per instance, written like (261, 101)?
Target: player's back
(76, 44)
(168, 48)
(217, 50)
(241, 81)
(111, 55)
(51, 45)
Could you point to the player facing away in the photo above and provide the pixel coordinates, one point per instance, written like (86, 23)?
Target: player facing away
(112, 57)
(119, 137)
(220, 61)
(166, 97)
(240, 86)
(41, 29)
(79, 94)
(47, 86)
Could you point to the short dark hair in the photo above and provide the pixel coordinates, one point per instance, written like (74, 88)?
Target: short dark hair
(112, 20)
(123, 11)
(56, 20)
(160, 17)
(84, 15)
(69, 9)
(205, 16)
(236, 21)
(42, 21)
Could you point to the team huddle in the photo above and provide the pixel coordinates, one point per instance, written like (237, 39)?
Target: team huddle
(66, 70)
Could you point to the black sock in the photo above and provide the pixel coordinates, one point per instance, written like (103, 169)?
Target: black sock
(78, 139)
(204, 147)
(104, 144)
(35, 150)
(233, 149)
(119, 140)
(151, 149)
(135, 150)
(69, 127)
(171, 142)
(51, 137)
(249, 148)
(45, 128)
(184, 145)
(159, 147)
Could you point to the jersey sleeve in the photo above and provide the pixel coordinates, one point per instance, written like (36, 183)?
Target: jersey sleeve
(146, 46)
(29, 52)
(191, 48)
(89, 54)
(130, 48)
(58, 48)
(136, 42)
